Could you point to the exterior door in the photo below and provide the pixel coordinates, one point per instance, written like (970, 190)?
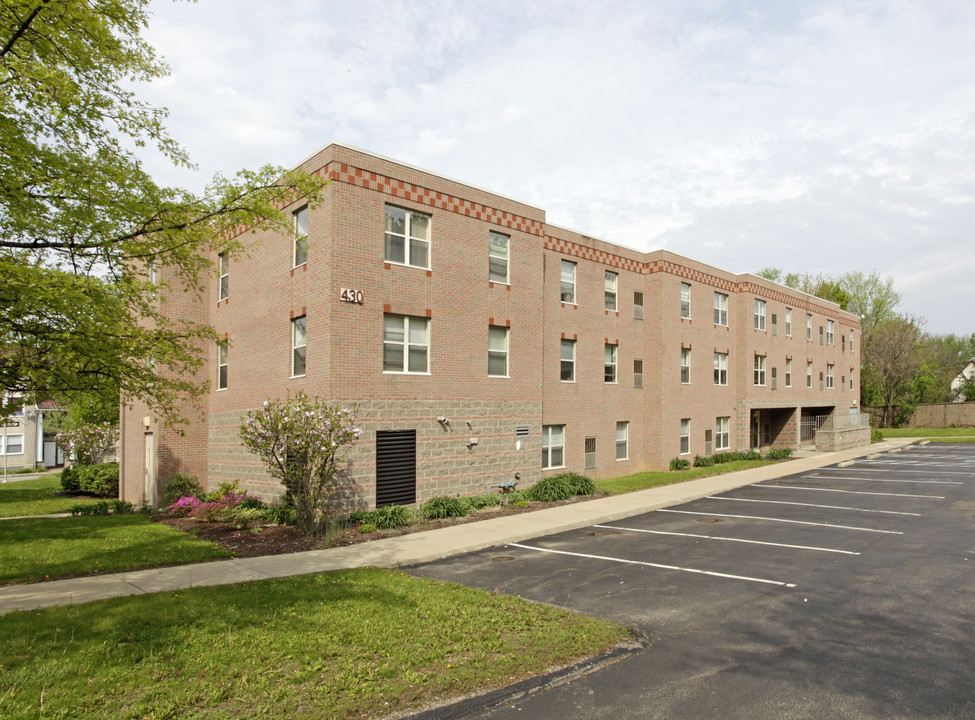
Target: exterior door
(150, 471)
(756, 436)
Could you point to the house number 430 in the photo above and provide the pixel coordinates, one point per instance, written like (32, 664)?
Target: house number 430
(351, 296)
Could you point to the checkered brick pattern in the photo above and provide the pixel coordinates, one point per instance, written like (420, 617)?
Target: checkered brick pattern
(568, 247)
(692, 275)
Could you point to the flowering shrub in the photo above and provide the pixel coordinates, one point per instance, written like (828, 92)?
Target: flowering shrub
(209, 511)
(88, 443)
(184, 506)
(298, 439)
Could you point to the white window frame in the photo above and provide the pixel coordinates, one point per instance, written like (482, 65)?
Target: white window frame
(760, 370)
(809, 374)
(722, 433)
(638, 372)
(685, 366)
(830, 336)
(567, 283)
(720, 309)
(567, 362)
(5, 445)
(222, 365)
(496, 350)
(851, 341)
(759, 314)
(685, 436)
(851, 378)
(498, 256)
(299, 345)
(224, 284)
(638, 305)
(622, 440)
(685, 300)
(299, 255)
(788, 372)
(720, 368)
(829, 376)
(409, 324)
(553, 442)
(788, 322)
(610, 363)
(611, 282)
(411, 242)
(809, 327)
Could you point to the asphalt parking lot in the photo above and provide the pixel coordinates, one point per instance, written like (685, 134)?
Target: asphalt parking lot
(845, 592)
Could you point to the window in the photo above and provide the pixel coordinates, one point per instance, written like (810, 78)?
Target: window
(637, 305)
(685, 366)
(609, 364)
(685, 436)
(843, 382)
(224, 275)
(407, 237)
(568, 361)
(720, 309)
(298, 341)
(829, 332)
(759, 314)
(788, 372)
(152, 272)
(301, 236)
(497, 257)
(406, 344)
(590, 448)
(829, 377)
(851, 378)
(788, 322)
(637, 373)
(685, 300)
(15, 445)
(611, 281)
(622, 433)
(820, 334)
(720, 368)
(808, 327)
(222, 365)
(553, 443)
(759, 369)
(497, 351)
(568, 283)
(851, 341)
(809, 374)
(843, 342)
(722, 433)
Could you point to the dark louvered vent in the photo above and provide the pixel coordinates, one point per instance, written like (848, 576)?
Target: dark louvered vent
(395, 467)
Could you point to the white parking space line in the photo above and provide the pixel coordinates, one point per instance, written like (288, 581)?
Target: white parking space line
(728, 539)
(783, 520)
(848, 492)
(927, 471)
(863, 479)
(827, 507)
(655, 565)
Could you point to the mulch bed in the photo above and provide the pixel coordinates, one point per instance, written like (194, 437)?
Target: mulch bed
(281, 539)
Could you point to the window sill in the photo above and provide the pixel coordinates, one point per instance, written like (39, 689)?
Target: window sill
(553, 467)
(296, 376)
(492, 283)
(390, 263)
(398, 372)
(500, 377)
(221, 389)
(568, 382)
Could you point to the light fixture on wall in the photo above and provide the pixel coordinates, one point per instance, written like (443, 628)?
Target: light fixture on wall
(443, 420)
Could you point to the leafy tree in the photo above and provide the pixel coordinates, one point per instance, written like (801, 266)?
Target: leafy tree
(892, 360)
(88, 443)
(299, 440)
(944, 357)
(82, 223)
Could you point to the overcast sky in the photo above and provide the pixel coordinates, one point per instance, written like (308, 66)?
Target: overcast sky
(809, 136)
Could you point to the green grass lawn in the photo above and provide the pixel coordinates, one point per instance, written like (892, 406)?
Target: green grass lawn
(41, 548)
(35, 497)
(352, 644)
(956, 434)
(644, 480)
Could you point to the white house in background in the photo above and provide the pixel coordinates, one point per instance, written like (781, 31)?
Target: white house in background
(967, 373)
(22, 441)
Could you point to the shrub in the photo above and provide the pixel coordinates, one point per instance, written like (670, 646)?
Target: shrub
(69, 479)
(209, 511)
(279, 514)
(367, 528)
(184, 506)
(479, 502)
(679, 464)
(875, 436)
(182, 486)
(101, 480)
(121, 507)
(521, 504)
(578, 484)
(779, 454)
(90, 509)
(251, 501)
(239, 517)
(223, 490)
(391, 516)
(550, 489)
(443, 507)
(703, 461)
(361, 516)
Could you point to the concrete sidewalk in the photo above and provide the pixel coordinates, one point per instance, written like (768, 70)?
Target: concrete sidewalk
(417, 547)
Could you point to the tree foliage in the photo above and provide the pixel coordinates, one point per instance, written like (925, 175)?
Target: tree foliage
(892, 360)
(81, 221)
(299, 440)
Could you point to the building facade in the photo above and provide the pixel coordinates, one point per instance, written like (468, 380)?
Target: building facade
(482, 344)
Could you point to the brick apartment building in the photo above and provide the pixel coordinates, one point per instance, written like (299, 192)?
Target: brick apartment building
(481, 343)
